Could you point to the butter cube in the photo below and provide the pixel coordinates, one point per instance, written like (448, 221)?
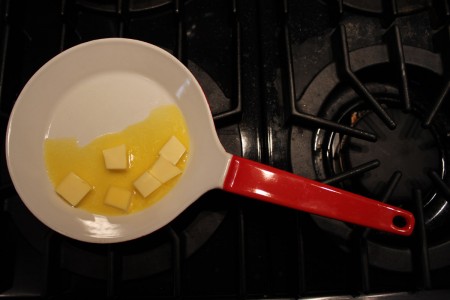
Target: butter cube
(146, 184)
(73, 189)
(172, 150)
(164, 170)
(116, 158)
(118, 197)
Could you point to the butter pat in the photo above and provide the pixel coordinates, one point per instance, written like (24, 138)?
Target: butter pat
(116, 158)
(164, 170)
(146, 184)
(172, 150)
(73, 189)
(118, 197)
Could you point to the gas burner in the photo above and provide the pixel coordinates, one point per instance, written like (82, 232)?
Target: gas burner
(182, 238)
(391, 167)
(152, 254)
(409, 149)
(109, 6)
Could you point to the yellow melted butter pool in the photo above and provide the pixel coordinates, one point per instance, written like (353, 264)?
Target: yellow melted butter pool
(143, 141)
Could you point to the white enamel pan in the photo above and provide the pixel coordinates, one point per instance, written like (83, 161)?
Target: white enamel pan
(85, 92)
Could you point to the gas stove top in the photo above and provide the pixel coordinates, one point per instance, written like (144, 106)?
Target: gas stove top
(349, 93)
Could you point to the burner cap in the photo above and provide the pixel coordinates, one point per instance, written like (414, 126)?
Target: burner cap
(409, 149)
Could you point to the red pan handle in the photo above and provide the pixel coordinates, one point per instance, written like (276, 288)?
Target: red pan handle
(259, 181)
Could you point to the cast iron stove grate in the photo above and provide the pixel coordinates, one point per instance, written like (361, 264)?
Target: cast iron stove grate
(376, 132)
(260, 64)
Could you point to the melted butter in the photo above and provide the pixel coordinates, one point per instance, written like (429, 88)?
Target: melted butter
(143, 141)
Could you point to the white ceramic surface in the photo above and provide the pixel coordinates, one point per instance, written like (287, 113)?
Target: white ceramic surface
(120, 80)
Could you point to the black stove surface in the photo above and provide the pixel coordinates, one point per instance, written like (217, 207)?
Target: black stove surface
(350, 93)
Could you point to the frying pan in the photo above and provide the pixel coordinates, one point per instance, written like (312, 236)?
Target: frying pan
(105, 85)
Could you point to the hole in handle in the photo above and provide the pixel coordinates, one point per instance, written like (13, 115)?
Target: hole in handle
(400, 222)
